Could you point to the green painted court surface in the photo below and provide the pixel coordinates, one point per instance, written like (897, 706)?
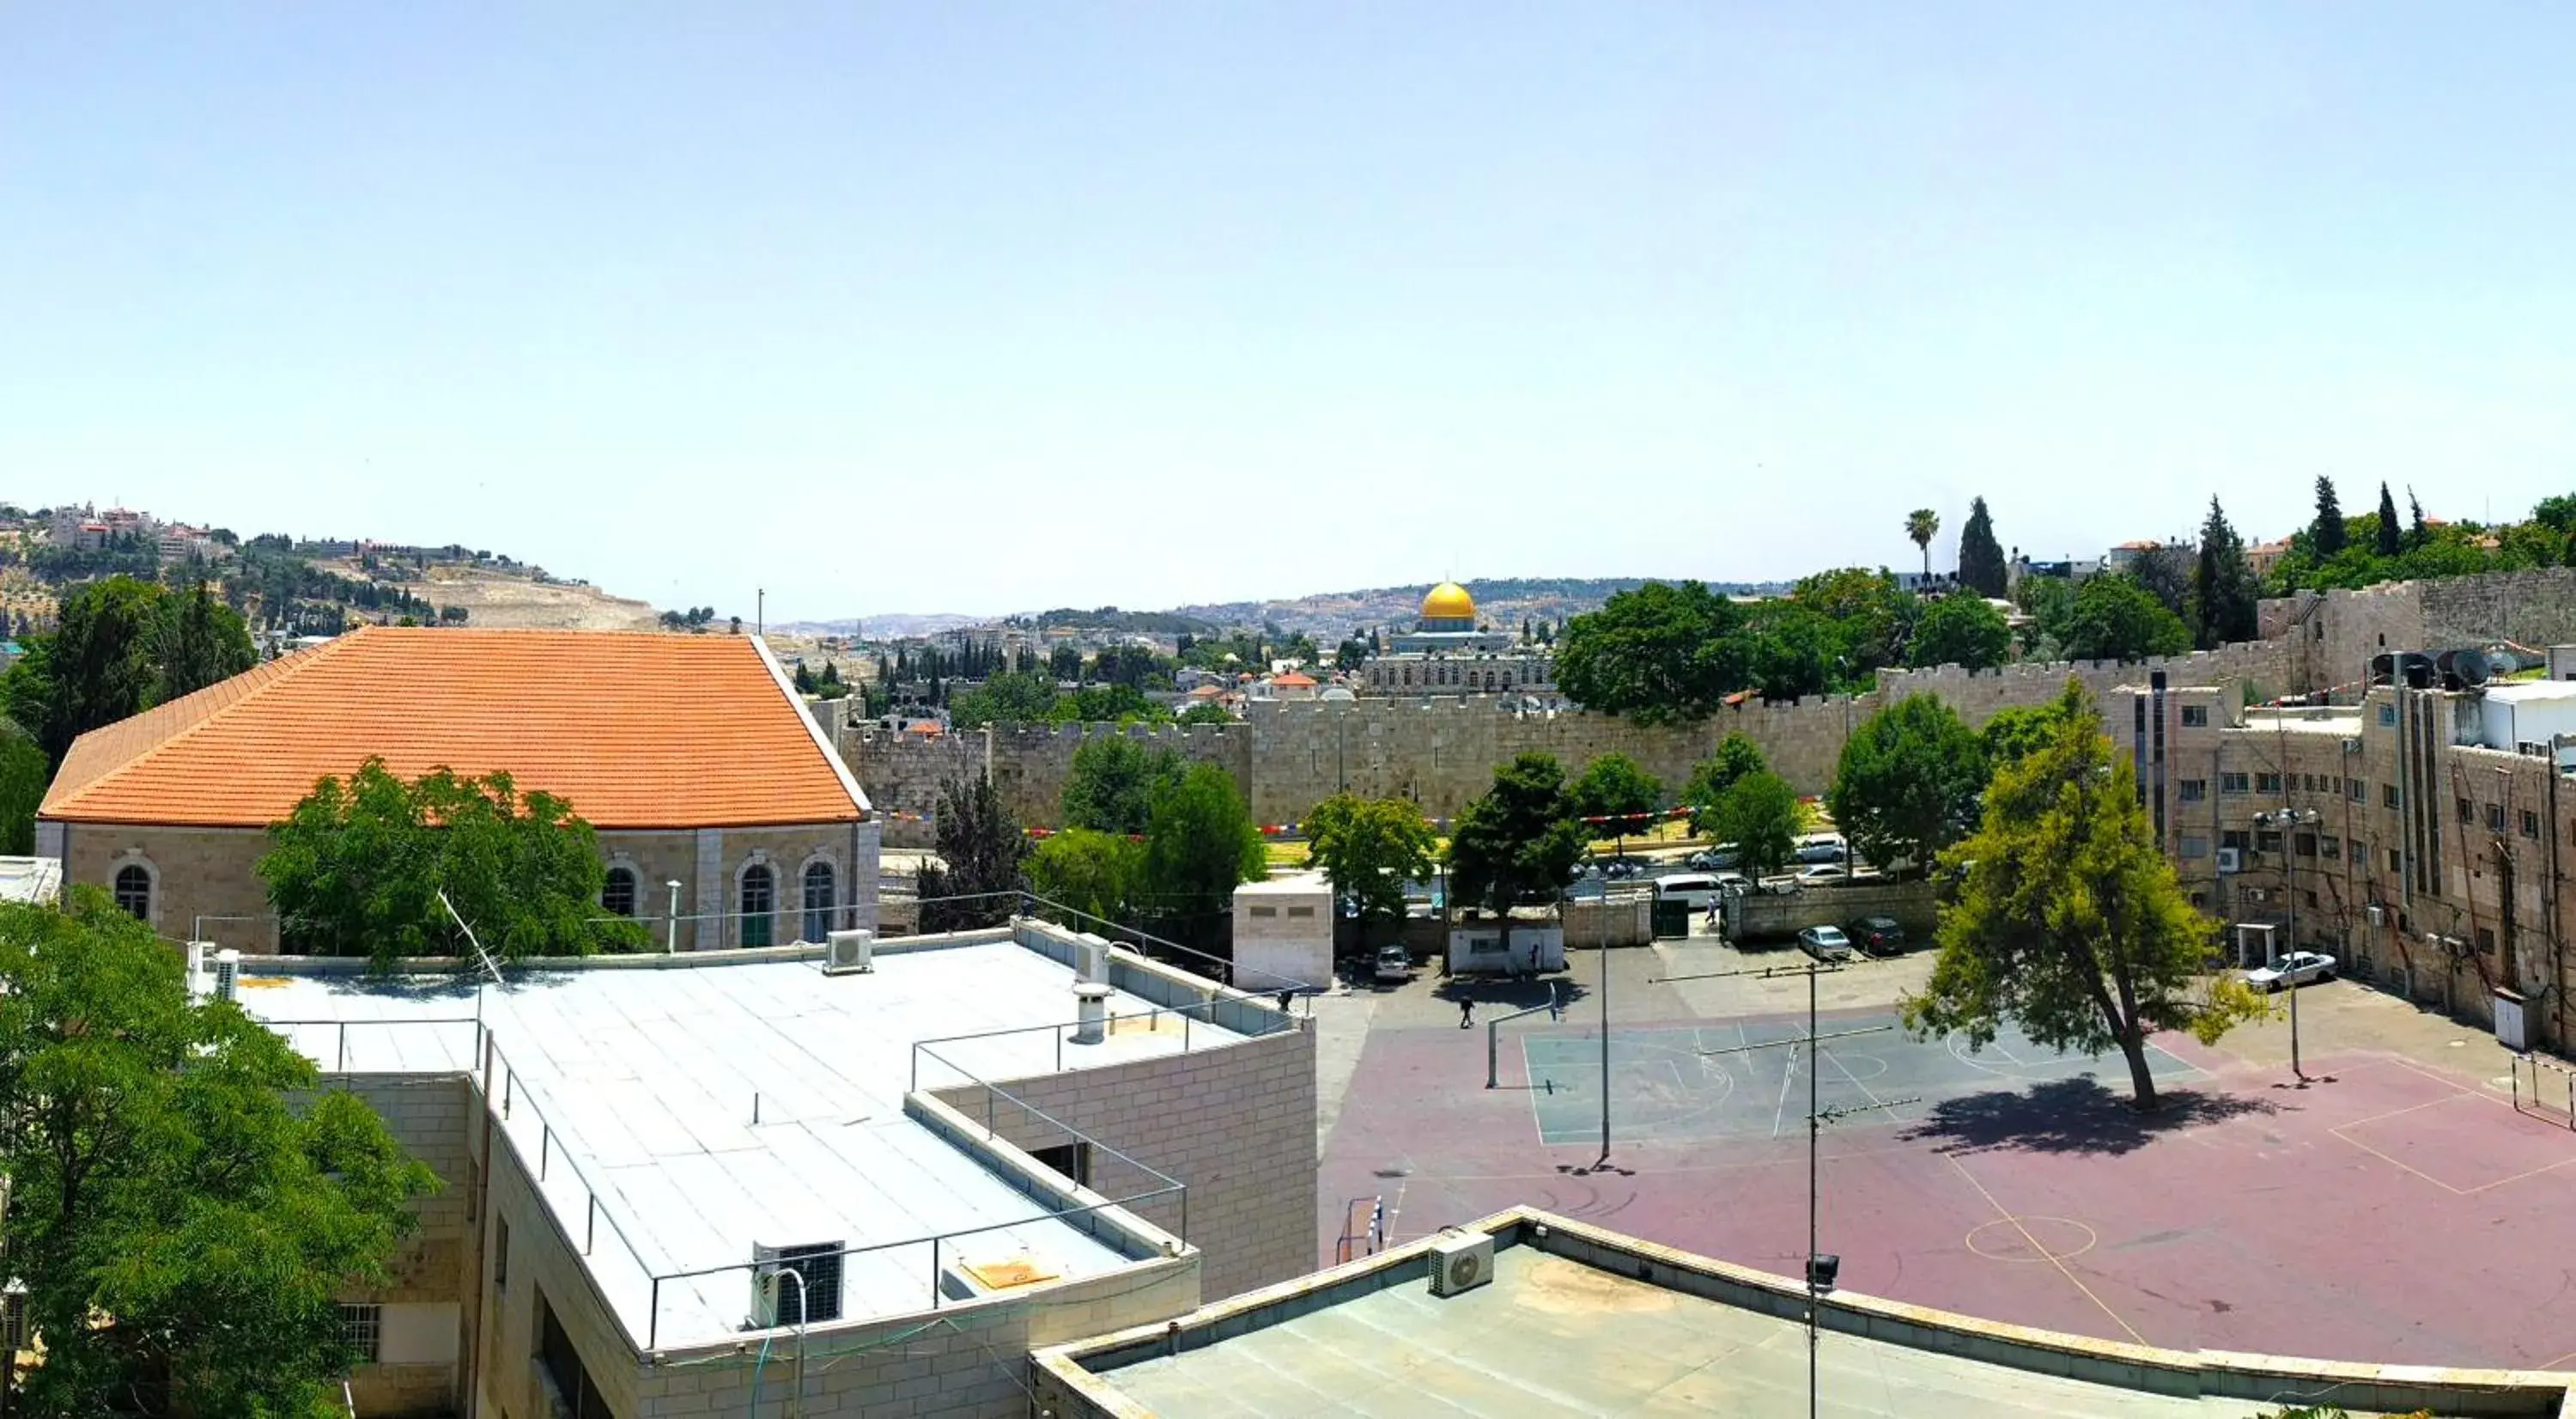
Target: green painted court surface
(1684, 1082)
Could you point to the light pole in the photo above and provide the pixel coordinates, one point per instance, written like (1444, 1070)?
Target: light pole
(2289, 820)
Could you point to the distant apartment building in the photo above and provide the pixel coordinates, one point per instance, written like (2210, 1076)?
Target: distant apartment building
(724, 815)
(782, 1182)
(2423, 836)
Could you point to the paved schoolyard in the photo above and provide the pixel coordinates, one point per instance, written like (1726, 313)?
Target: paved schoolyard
(2395, 1211)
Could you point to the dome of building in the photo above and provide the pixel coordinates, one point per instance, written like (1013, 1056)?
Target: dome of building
(1449, 602)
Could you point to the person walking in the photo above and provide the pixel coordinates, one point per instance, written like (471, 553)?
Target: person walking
(1466, 1012)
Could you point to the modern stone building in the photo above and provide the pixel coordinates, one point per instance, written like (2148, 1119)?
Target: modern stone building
(1445, 654)
(680, 1185)
(692, 756)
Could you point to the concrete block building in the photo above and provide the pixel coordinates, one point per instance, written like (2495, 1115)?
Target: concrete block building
(692, 756)
(673, 1184)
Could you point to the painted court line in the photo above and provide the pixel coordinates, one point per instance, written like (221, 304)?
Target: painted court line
(2038, 1250)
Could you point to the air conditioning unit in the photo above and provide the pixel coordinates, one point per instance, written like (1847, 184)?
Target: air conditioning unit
(228, 974)
(2253, 894)
(2231, 859)
(775, 1296)
(849, 952)
(1461, 1261)
(2377, 914)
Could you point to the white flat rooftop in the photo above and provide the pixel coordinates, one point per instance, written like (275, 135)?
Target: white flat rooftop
(644, 1083)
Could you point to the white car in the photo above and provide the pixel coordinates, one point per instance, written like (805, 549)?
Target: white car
(2293, 970)
(1825, 943)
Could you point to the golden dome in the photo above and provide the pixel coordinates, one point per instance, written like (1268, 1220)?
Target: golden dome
(1448, 602)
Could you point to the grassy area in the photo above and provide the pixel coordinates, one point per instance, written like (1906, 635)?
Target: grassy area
(1285, 854)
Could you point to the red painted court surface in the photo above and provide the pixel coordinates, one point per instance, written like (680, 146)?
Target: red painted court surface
(2393, 1215)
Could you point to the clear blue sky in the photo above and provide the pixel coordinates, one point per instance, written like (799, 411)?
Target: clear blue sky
(947, 307)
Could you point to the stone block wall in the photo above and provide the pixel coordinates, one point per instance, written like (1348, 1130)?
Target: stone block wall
(435, 1272)
(1235, 1123)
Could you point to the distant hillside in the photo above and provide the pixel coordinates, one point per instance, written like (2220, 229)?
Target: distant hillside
(1504, 601)
(891, 626)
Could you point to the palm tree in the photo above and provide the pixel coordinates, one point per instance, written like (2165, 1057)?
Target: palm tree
(1921, 525)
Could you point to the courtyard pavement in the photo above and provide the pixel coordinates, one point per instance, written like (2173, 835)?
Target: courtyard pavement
(2397, 1208)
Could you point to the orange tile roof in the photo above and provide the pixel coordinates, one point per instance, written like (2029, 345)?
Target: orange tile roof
(1292, 680)
(636, 730)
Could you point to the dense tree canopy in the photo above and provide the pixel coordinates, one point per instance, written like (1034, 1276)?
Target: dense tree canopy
(1115, 781)
(2223, 590)
(1519, 842)
(1096, 874)
(1616, 786)
(1369, 848)
(1737, 757)
(2068, 921)
(187, 1203)
(356, 870)
(120, 647)
(1908, 783)
(981, 857)
(1201, 845)
(1961, 630)
(2112, 617)
(23, 777)
(1661, 654)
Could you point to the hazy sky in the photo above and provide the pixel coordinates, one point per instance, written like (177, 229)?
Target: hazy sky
(951, 307)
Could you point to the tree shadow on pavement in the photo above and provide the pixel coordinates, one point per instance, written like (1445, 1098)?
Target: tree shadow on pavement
(2079, 1115)
(1505, 994)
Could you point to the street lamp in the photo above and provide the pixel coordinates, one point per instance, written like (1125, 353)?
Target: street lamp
(2289, 820)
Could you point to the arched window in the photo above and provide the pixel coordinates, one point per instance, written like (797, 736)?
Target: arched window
(617, 893)
(759, 898)
(134, 890)
(818, 900)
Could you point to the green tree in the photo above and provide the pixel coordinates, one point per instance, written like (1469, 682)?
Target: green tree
(23, 777)
(1759, 814)
(1908, 782)
(1064, 663)
(1368, 848)
(1660, 654)
(1737, 757)
(357, 867)
(2010, 735)
(187, 1201)
(101, 664)
(1012, 697)
(2418, 533)
(1519, 842)
(981, 853)
(1205, 714)
(1096, 874)
(1201, 845)
(1115, 781)
(2222, 585)
(2327, 535)
(2114, 618)
(1961, 630)
(2385, 537)
(1792, 651)
(202, 641)
(1981, 557)
(1350, 655)
(1921, 526)
(2068, 921)
(1615, 786)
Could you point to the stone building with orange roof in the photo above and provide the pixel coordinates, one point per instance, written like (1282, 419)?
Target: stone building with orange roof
(725, 817)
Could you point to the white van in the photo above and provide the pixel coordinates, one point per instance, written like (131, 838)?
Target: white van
(1697, 888)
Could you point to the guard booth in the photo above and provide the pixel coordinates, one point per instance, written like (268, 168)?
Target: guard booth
(2254, 944)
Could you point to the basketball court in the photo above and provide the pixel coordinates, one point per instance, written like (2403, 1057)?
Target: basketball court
(1750, 1079)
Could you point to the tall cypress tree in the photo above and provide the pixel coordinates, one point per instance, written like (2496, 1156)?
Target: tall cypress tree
(1981, 557)
(2222, 585)
(2417, 534)
(2327, 534)
(2386, 543)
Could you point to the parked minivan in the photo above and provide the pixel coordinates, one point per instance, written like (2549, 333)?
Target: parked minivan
(1697, 888)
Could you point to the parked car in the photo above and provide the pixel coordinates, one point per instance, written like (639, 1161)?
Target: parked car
(1825, 943)
(1823, 872)
(1821, 850)
(1393, 964)
(2293, 970)
(1711, 859)
(1879, 935)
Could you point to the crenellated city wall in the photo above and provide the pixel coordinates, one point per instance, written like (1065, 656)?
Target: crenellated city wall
(1442, 752)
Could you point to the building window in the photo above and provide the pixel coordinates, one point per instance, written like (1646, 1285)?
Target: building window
(500, 1252)
(2387, 715)
(2192, 790)
(2267, 841)
(2236, 839)
(2267, 783)
(2195, 847)
(134, 890)
(2394, 863)
(2307, 783)
(362, 1327)
(2468, 811)
(2495, 817)
(819, 894)
(575, 1394)
(2354, 789)
(2305, 844)
(13, 1321)
(2195, 716)
(1265, 911)
(757, 899)
(2530, 823)
(2486, 940)
(2330, 846)
(2388, 795)
(2312, 899)
(1073, 1160)
(2233, 783)
(1301, 911)
(617, 892)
